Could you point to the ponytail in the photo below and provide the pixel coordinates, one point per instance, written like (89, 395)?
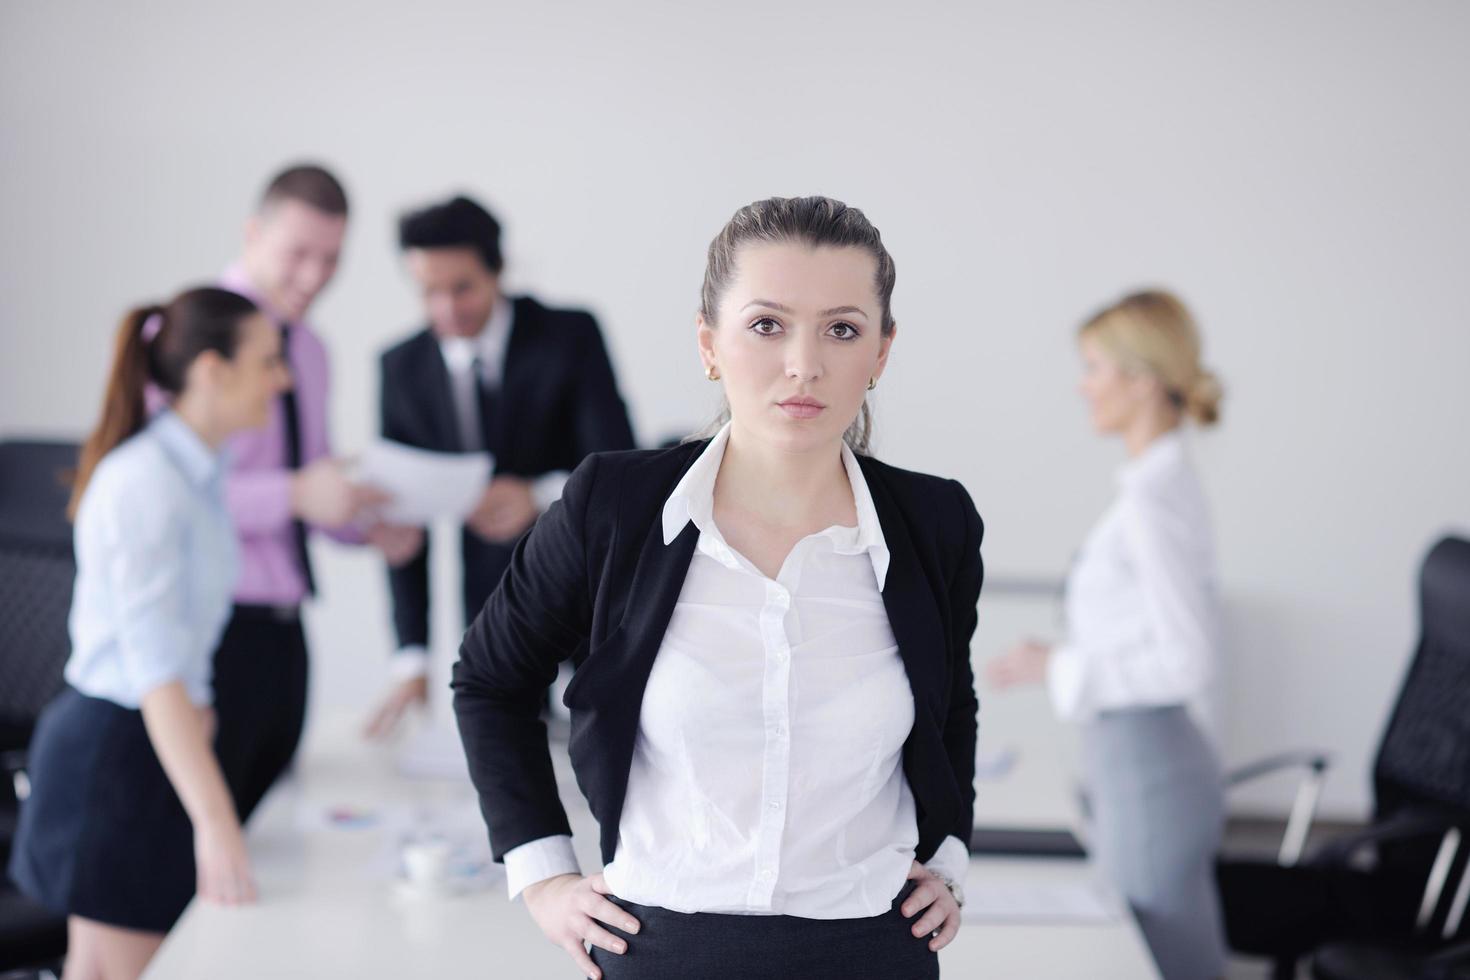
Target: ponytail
(123, 408)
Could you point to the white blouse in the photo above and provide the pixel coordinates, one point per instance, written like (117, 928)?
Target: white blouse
(767, 774)
(1142, 605)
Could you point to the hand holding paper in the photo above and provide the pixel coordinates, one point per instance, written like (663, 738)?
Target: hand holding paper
(424, 486)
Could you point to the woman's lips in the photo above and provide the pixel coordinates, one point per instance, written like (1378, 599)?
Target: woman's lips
(802, 408)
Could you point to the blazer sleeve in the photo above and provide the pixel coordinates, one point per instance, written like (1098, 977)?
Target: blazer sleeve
(600, 419)
(408, 584)
(961, 726)
(538, 616)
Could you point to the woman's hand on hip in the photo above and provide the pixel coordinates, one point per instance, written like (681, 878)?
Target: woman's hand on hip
(941, 918)
(568, 908)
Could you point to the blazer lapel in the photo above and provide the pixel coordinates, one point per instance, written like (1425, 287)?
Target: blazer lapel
(908, 596)
(608, 687)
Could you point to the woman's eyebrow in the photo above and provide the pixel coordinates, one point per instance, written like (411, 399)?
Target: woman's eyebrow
(834, 311)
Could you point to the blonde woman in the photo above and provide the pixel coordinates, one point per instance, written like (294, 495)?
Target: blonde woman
(1139, 667)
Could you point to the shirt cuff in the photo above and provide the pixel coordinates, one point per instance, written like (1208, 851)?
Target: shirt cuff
(546, 488)
(951, 860)
(409, 663)
(537, 861)
(1064, 679)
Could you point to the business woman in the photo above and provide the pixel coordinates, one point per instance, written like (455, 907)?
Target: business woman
(1139, 668)
(773, 715)
(128, 813)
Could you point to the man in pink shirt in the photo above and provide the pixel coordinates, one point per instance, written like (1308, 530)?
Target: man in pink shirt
(282, 483)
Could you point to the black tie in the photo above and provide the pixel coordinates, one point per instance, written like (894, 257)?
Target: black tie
(293, 456)
(487, 399)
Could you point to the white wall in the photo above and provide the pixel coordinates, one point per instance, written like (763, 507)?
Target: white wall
(1296, 170)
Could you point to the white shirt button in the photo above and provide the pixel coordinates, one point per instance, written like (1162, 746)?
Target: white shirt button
(775, 804)
(766, 875)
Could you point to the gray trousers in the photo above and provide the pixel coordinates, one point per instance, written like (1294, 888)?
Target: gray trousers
(1158, 815)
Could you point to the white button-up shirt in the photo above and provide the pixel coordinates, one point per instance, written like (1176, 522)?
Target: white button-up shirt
(1142, 605)
(156, 567)
(767, 773)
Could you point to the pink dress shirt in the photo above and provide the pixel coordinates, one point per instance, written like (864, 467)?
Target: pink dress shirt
(257, 484)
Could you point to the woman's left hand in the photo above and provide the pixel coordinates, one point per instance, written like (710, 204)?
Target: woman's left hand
(943, 915)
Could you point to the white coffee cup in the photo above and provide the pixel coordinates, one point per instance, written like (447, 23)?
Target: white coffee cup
(427, 863)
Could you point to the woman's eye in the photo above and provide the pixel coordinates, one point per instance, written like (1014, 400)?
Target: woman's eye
(844, 331)
(766, 327)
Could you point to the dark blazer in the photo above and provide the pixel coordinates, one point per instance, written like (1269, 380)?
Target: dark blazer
(560, 402)
(593, 580)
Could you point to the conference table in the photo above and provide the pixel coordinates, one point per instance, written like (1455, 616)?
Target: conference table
(334, 900)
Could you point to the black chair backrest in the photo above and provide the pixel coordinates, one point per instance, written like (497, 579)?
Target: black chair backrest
(1424, 759)
(36, 574)
(35, 484)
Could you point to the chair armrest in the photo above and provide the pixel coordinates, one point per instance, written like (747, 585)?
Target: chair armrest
(1402, 826)
(1317, 762)
(1409, 825)
(13, 764)
(1299, 824)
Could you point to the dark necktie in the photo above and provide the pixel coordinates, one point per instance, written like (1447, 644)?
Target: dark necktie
(487, 400)
(293, 456)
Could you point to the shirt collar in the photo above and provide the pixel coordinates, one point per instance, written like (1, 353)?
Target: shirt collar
(693, 498)
(1166, 452)
(488, 345)
(200, 465)
(236, 281)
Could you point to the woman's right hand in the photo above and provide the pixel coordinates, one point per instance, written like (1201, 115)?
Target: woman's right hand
(222, 864)
(568, 907)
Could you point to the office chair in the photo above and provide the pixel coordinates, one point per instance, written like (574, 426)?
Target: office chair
(36, 574)
(1288, 908)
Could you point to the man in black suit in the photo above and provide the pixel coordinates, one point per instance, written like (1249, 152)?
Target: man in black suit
(531, 385)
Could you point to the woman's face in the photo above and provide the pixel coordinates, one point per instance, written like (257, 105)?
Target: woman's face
(799, 334)
(247, 383)
(1115, 396)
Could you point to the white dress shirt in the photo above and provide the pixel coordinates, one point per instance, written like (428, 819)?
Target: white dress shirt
(767, 774)
(1142, 605)
(463, 356)
(156, 567)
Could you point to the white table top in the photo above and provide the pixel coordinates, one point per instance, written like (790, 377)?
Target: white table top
(330, 906)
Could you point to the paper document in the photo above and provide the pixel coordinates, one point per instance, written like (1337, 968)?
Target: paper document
(425, 486)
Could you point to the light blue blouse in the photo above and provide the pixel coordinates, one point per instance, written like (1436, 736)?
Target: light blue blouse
(156, 568)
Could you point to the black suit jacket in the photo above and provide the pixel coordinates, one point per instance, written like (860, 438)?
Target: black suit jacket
(560, 402)
(593, 580)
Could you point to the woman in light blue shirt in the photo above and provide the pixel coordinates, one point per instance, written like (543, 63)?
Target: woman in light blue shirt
(129, 814)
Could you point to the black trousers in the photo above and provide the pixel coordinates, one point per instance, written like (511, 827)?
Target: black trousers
(260, 678)
(711, 946)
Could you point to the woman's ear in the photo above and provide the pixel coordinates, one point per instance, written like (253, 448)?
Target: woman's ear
(706, 338)
(206, 371)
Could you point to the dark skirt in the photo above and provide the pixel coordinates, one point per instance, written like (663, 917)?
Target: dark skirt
(103, 835)
(681, 946)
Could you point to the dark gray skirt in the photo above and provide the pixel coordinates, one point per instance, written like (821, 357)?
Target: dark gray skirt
(683, 946)
(1158, 816)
